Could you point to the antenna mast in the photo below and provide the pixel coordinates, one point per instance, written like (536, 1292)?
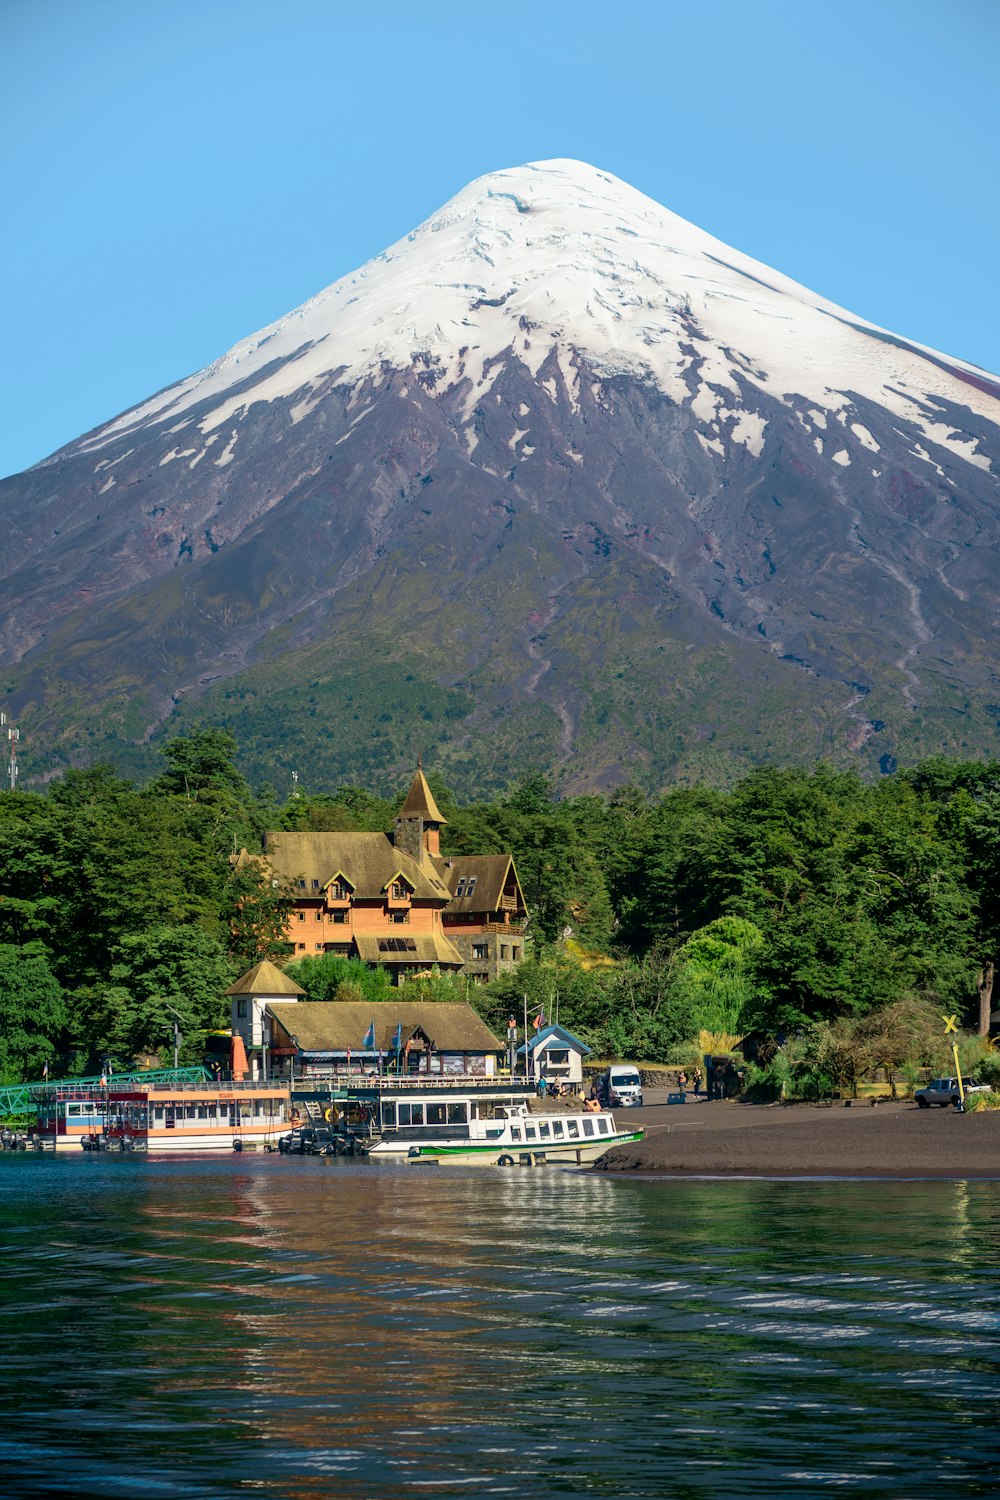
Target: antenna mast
(13, 735)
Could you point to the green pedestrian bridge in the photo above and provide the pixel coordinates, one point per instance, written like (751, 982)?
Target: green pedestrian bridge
(23, 1098)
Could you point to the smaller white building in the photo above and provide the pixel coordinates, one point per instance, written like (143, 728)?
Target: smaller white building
(556, 1055)
(250, 997)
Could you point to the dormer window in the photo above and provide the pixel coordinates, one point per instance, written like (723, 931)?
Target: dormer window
(338, 891)
(398, 890)
(466, 886)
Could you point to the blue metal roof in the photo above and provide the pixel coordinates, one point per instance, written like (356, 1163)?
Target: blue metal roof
(546, 1033)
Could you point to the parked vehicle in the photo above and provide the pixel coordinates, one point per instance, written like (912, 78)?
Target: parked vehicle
(944, 1091)
(620, 1086)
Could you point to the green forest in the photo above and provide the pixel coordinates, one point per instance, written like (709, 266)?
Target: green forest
(799, 904)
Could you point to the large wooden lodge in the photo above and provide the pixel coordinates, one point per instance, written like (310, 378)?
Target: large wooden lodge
(396, 901)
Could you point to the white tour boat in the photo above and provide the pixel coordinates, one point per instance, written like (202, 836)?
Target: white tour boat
(461, 1130)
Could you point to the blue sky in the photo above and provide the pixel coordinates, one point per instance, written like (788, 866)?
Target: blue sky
(178, 173)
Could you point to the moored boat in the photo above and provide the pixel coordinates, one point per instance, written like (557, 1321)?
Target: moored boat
(508, 1135)
(173, 1118)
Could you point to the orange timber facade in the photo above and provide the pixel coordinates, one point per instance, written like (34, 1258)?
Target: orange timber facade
(397, 901)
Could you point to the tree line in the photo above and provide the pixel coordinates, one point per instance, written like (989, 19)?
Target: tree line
(795, 898)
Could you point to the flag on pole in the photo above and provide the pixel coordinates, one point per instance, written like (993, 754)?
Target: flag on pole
(348, 1057)
(45, 1071)
(397, 1036)
(369, 1038)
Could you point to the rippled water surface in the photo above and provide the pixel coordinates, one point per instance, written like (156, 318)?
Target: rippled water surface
(307, 1328)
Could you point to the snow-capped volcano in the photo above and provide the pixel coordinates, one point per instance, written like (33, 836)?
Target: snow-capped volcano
(557, 480)
(558, 255)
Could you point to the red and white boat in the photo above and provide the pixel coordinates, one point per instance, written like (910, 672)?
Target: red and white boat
(167, 1118)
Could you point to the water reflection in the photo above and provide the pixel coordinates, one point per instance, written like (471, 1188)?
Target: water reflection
(309, 1328)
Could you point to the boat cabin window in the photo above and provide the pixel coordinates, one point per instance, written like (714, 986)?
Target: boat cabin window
(515, 1132)
(529, 1132)
(435, 1114)
(411, 1114)
(588, 1127)
(603, 1126)
(543, 1131)
(573, 1129)
(389, 1114)
(458, 1113)
(557, 1127)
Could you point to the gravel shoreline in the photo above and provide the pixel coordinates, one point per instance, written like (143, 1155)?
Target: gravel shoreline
(728, 1139)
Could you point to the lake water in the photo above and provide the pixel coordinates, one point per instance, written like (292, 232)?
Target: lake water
(310, 1328)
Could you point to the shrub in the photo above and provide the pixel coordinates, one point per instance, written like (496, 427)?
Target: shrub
(988, 1069)
(988, 1099)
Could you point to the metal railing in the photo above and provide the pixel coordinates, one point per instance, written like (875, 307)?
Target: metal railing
(23, 1098)
(393, 1081)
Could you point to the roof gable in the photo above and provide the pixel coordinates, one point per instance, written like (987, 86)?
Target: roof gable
(476, 882)
(560, 1034)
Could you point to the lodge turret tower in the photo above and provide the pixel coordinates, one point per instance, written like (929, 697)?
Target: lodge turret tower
(419, 821)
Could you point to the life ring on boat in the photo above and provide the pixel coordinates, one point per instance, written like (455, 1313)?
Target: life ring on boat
(506, 1160)
(331, 1114)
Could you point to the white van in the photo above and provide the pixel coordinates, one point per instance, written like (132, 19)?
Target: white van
(620, 1086)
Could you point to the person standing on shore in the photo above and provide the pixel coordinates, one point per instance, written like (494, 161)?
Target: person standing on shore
(696, 1082)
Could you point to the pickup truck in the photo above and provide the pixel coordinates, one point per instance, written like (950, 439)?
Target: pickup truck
(944, 1091)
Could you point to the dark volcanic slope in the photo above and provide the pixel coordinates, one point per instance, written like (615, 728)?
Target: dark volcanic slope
(547, 555)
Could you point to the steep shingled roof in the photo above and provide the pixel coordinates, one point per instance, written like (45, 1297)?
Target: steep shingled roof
(420, 801)
(265, 979)
(335, 1025)
(489, 871)
(369, 860)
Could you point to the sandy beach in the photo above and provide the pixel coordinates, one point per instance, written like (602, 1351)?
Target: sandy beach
(892, 1140)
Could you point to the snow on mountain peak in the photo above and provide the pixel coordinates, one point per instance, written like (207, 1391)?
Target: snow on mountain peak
(560, 255)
